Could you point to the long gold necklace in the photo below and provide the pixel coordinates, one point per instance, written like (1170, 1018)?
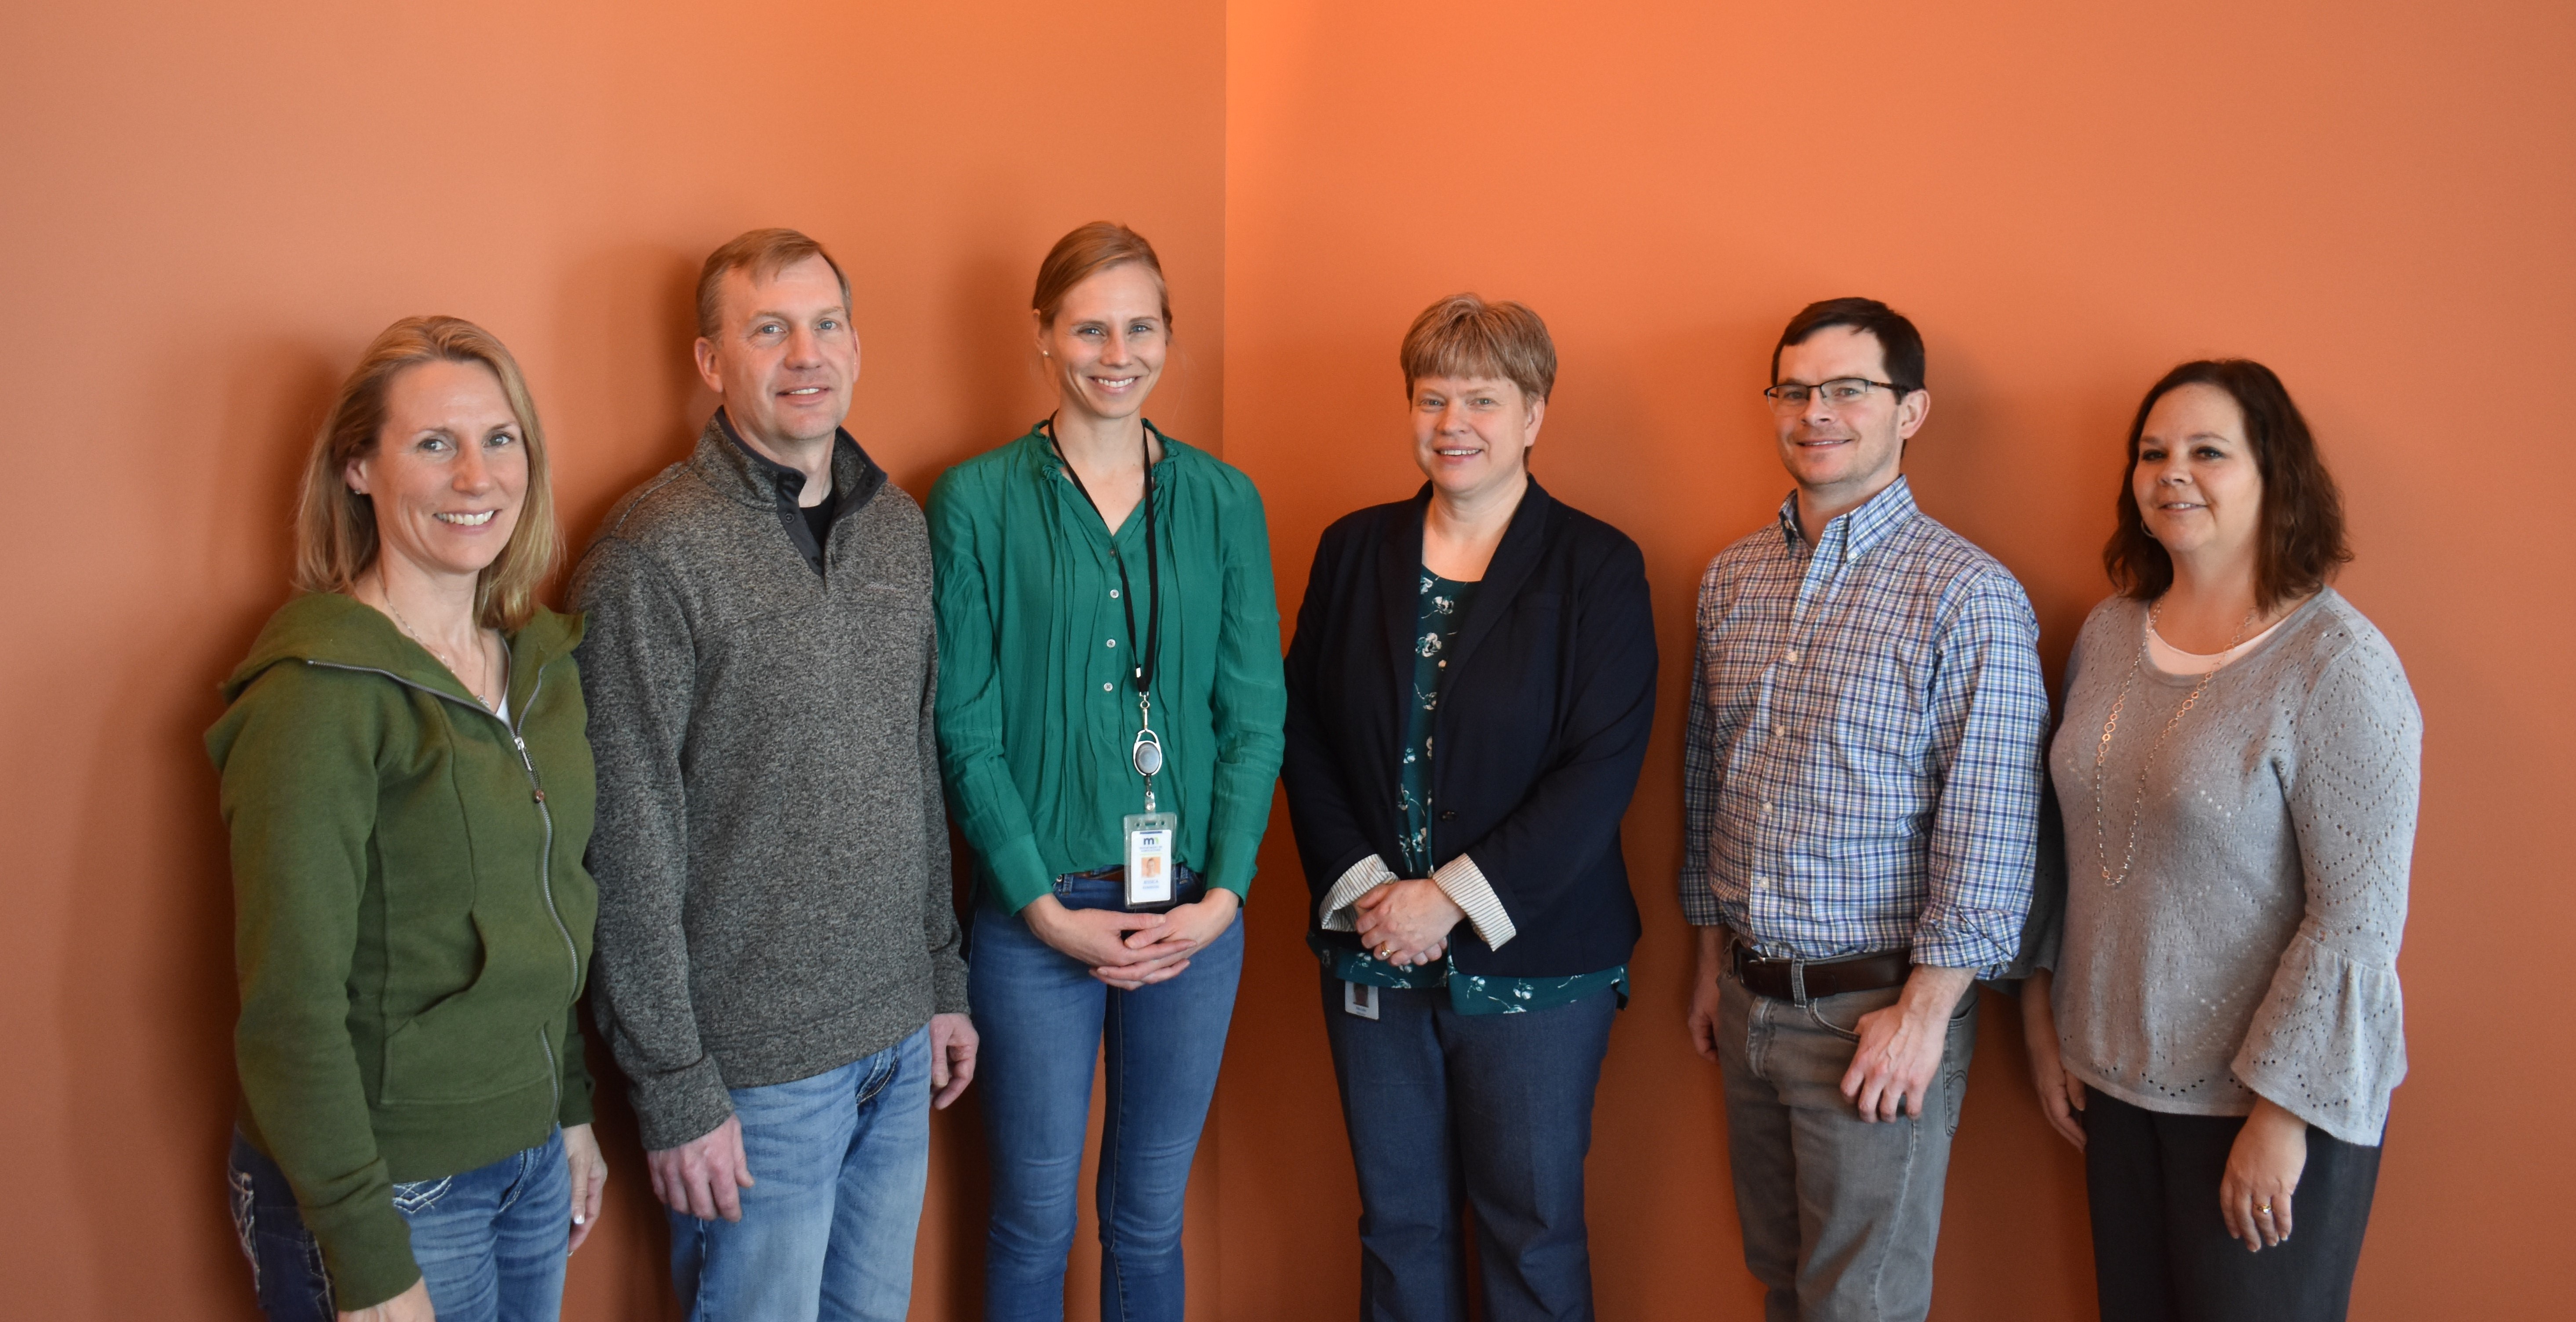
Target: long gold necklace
(443, 658)
(2102, 750)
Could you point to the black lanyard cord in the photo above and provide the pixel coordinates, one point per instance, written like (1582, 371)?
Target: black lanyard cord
(1143, 669)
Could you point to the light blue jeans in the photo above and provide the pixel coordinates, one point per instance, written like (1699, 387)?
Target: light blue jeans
(491, 1242)
(838, 1164)
(1044, 1020)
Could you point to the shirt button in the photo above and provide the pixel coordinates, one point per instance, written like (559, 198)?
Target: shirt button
(1113, 642)
(1793, 656)
(1108, 688)
(1780, 731)
(1113, 594)
(1444, 665)
(1760, 882)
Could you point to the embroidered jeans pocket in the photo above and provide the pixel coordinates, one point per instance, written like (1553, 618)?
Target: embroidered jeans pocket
(420, 1195)
(245, 1221)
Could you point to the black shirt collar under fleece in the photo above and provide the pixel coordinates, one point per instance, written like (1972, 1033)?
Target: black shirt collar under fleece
(810, 528)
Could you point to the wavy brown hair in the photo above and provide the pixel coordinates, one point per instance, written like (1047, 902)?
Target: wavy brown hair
(335, 528)
(2301, 543)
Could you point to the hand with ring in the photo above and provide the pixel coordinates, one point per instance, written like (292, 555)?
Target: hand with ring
(1406, 923)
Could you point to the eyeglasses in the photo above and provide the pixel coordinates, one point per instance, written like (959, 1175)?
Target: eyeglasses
(1790, 396)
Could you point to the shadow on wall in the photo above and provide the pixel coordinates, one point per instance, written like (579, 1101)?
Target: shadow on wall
(623, 369)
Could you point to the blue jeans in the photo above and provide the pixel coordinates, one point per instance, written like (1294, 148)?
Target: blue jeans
(1044, 1020)
(838, 1164)
(491, 1242)
(1491, 1109)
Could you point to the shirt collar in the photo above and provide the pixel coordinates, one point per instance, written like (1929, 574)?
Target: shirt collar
(1859, 529)
(788, 482)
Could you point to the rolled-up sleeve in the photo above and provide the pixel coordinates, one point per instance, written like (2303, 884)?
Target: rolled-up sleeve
(1989, 712)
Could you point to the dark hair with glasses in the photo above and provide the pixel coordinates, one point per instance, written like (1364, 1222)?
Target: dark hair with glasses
(1900, 345)
(2301, 542)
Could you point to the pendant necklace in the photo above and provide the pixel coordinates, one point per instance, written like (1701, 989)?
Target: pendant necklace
(2102, 750)
(413, 634)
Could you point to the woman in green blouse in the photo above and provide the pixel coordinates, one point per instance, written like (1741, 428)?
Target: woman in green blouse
(1110, 702)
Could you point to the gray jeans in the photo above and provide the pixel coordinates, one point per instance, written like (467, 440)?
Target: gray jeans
(1840, 1216)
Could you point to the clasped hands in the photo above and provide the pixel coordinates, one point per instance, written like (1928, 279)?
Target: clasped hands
(1406, 922)
(1131, 950)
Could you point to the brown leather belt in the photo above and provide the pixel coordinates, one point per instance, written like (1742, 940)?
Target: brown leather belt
(1784, 979)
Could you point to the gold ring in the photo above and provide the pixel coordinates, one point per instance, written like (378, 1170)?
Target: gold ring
(1386, 953)
(2265, 1209)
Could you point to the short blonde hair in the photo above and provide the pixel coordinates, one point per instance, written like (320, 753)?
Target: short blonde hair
(335, 528)
(764, 253)
(1463, 335)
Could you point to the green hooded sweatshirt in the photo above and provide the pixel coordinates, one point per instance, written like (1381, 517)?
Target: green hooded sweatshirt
(412, 920)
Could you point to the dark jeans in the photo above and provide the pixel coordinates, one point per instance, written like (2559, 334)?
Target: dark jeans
(491, 1241)
(2161, 1253)
(1494, 1109)
(1045, 1021)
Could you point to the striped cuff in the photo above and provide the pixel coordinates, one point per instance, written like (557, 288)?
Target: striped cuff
(1465, 885)
(1359, 879)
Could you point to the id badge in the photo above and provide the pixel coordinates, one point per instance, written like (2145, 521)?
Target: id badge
(1360, 999)
(1149, 858)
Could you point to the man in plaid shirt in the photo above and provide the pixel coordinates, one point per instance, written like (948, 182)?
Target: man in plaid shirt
(1861, 784)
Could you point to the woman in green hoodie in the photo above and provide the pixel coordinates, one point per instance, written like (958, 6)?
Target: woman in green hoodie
(408, 785)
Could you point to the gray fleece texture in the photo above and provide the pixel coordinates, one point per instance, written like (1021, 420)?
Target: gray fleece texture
(772, 847)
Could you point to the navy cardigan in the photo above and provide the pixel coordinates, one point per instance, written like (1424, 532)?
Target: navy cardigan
(1542, 725)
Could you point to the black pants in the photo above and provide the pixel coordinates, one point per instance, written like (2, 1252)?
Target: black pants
(2161, 1253)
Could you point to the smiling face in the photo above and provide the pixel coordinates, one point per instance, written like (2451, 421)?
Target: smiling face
(1108, 342)
(449, 470)
(1842, 454)
(2198, 486)
(1472, 435)
(785, 356)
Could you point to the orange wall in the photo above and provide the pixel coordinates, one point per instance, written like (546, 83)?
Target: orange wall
(210, 209)
(206, 215)
(2375, 198)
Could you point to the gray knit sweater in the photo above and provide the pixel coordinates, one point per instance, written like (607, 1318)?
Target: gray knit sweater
(772, 848)
(2252, 948)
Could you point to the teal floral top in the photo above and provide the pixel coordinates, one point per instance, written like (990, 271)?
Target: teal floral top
(1444, 608)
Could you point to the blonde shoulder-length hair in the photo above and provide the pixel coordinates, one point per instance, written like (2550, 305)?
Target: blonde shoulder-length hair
(335, 528)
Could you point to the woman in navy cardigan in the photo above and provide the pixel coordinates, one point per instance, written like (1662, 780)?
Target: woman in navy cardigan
(1469, 695)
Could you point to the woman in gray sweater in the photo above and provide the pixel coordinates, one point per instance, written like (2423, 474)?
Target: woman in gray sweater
(2216, 1019)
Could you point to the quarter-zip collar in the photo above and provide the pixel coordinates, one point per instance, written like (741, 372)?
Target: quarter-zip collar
(731, 466)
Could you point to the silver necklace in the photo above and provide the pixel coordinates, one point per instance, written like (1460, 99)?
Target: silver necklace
(443, 658)
(2102, 750)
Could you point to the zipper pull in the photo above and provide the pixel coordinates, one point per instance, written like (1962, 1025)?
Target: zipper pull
(541, 795)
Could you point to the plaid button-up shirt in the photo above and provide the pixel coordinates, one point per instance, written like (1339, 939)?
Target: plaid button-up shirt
(1863, 764)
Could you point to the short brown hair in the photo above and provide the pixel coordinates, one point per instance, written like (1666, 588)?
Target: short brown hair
(2301, 542)
(766, 253)
(335, 528)
(1087, 251)
(1900, 346)
(1463, 335)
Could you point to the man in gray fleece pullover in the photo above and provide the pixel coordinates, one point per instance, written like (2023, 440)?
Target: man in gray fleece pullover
(779, 971)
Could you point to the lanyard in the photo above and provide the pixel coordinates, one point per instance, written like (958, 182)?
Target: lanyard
(1148, 751)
